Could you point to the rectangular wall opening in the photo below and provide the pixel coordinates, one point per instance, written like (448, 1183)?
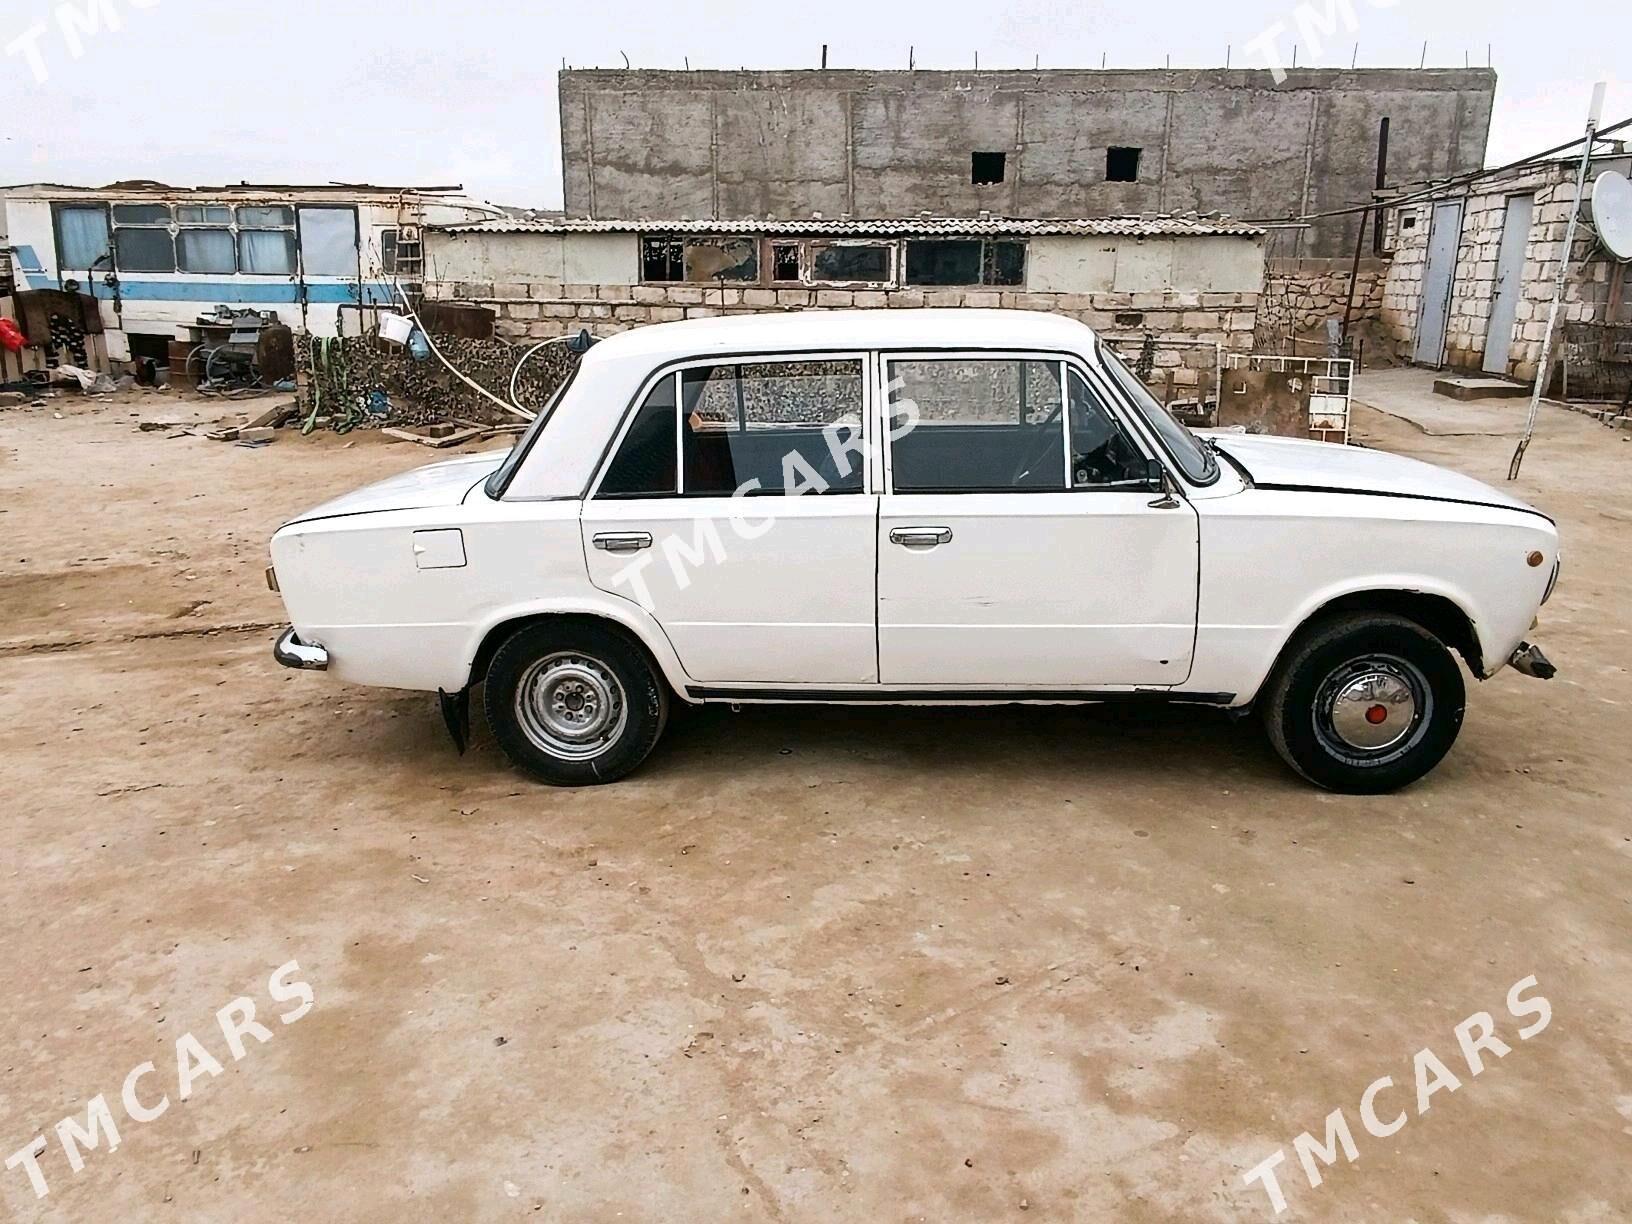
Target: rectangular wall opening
(987, 168)
(1122, 164)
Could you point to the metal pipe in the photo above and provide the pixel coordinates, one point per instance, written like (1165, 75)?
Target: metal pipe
(1593, 116)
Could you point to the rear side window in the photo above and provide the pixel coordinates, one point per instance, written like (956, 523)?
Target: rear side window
(976, 425)
(772, 428)
(645, 463)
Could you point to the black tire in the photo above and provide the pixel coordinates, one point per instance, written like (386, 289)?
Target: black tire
(1327, 706)
(574, 704)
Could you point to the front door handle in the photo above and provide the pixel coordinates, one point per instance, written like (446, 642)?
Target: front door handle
(623, 542)
(920, 537)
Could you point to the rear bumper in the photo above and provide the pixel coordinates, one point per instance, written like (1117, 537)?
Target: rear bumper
(290, 651)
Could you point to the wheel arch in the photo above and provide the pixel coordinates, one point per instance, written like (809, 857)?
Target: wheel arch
(650, 639)
(1433, 612)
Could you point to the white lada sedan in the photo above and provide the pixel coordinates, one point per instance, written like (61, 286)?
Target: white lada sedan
(913, 506)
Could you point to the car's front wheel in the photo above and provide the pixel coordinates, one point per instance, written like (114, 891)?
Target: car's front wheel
(1364, 703)
(574, 704)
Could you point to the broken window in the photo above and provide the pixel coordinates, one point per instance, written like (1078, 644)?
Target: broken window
(662, 259)
(867, 263)
(784, 261)
(987, 168)
(1122, 164)
(709, 260)
(965, 261)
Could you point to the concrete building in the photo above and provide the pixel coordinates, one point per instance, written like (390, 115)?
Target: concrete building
(1053, 143)
(1474, 271)
(1191, 285)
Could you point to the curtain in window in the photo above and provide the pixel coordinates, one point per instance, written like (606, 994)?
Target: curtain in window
(206, 250)
(266, 252)
(83, 235)
(328, 241)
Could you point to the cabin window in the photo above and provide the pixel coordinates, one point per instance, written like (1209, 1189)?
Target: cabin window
(204, 239)
(851, 262)
(83, 239)
(141, 238)
(266, 239)
(328, 242)
(965, 261)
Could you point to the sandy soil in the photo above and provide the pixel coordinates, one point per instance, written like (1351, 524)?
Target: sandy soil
(806, 965)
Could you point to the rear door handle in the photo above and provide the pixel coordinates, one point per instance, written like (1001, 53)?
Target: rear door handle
(623, 542)
(920, 537)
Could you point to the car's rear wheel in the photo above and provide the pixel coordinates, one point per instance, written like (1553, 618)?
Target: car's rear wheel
(1364, 703)
(574, 704)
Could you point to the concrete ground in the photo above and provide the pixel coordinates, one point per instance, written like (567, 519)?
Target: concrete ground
(1029, 964)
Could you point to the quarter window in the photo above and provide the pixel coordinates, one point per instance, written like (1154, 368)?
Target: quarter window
(645, 463)
(772, 428)
(976, 425)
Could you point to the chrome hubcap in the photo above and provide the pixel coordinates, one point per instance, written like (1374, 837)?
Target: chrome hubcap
(571, 706)
(1373, 710)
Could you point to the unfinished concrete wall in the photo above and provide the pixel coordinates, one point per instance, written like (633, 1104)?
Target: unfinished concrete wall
(879, 144)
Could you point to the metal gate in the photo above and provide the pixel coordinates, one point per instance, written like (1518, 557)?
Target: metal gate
(1504, 306)
(1438, 278)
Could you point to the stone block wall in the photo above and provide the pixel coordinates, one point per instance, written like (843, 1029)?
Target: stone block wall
(1300, 295)
(541, 309)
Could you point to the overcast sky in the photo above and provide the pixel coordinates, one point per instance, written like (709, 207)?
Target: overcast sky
(433, 91)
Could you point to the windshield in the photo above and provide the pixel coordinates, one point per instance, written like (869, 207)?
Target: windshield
(1194, 459)
(495, 485)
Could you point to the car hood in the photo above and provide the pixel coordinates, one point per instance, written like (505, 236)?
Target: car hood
(1297, 463)
(436, 484)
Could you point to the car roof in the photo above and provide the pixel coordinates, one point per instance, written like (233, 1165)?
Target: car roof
(825, 330)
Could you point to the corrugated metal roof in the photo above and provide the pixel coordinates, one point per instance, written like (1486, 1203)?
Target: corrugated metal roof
(887, 227)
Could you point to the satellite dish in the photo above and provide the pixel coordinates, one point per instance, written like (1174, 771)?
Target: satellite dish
(1612, 213)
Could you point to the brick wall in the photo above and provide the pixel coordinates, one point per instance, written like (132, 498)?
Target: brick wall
(541, 309)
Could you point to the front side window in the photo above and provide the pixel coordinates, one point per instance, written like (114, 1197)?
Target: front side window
(983, 425)
(1194, 459)
(772, 428)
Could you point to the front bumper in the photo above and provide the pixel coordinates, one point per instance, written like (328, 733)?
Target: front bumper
(292, 652)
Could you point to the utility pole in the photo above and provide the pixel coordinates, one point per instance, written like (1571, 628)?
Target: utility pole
(1593, 117)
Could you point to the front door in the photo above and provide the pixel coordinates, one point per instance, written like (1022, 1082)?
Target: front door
(1438, 279)
(1504, 308)
(1020, 542)
(738, 510)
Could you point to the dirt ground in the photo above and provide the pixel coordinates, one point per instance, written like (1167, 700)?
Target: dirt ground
(807, 965)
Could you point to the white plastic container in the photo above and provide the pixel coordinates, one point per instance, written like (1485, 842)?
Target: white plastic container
(395, 328)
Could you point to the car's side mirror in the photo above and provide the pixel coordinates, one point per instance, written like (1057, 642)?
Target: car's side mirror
(1161, 482)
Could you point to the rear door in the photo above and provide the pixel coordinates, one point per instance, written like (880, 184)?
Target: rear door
(738, 510)
(1020, 542)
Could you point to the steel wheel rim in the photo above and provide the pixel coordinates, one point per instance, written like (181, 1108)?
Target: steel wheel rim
(1373, 710)
(571, 706)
